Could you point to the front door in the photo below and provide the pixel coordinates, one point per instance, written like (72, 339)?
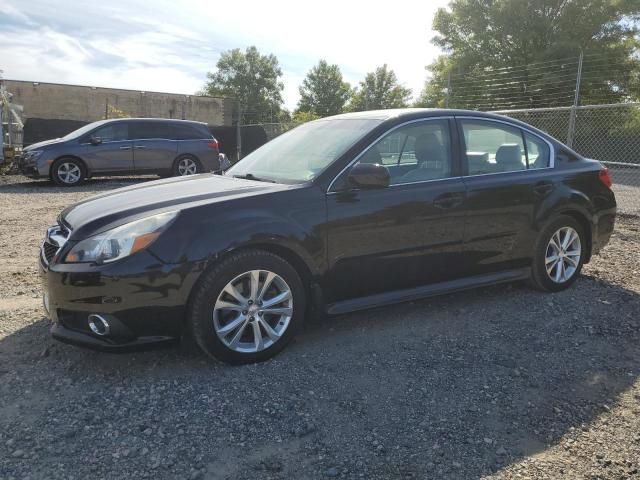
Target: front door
(408, 234)
(507, 180)
(113, 151)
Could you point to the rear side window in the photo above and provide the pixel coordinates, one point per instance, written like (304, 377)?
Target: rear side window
(149, 130)
(493, 147)
(189, 132)
(112, 133)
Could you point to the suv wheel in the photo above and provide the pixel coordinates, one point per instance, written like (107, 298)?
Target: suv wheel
(247, 308)
(68, 172)
(559, 254)
(187, 166)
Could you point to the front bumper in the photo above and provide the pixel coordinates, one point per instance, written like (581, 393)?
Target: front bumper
(143, 299)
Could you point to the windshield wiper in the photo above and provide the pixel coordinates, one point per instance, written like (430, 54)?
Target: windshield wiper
(251, 176)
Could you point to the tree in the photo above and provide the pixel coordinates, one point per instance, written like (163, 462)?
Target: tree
(324, 92)
(379, 90)
(501, 53)
(252, 79)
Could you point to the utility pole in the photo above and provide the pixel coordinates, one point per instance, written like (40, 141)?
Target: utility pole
(576, 101)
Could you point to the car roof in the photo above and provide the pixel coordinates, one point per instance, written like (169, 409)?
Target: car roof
(137, 119)
(411, 112)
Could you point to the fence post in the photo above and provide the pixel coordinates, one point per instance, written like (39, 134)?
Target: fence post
(576, 99)
(238, 133)
(446, 101)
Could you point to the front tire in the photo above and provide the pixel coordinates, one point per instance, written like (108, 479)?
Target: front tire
(559, 254)
(68, 172)
(247, 308)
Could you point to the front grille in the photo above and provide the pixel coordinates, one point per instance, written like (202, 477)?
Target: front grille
(48, 251)
(55, 239)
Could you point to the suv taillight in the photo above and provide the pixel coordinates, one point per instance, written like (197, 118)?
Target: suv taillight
(604, 177)
(214, 145)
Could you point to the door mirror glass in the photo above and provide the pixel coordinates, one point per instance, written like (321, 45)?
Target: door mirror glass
(95, 140)
(369, 175)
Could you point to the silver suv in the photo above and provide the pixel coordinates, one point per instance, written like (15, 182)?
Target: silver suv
(132, 146)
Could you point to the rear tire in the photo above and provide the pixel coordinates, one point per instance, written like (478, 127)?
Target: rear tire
(68, 172)
(559, 254)
(186, 165)
(234, 318)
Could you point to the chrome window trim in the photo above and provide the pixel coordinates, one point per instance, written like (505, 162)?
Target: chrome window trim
(417, 120)
(552, 150)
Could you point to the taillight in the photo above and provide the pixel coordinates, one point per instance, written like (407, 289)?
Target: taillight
(604, 177)
(214, 145)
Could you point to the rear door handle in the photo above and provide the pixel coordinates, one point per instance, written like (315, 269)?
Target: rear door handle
(449, 200)
(543, 187)
(140, 147)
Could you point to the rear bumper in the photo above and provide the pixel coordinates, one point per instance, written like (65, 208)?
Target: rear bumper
(603, 225)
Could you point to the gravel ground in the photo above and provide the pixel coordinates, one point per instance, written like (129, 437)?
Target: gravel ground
(499, 382)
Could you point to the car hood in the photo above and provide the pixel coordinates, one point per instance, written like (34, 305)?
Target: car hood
(123, 205)
(36, 146)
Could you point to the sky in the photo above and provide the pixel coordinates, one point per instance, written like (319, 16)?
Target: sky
(169, 46)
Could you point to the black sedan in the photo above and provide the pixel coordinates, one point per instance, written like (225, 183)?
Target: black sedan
(340, 214)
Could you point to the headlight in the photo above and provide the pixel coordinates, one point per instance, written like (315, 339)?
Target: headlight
(33, 155)
(121, 241)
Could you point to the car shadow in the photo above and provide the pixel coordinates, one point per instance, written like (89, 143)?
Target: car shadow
(456, 386)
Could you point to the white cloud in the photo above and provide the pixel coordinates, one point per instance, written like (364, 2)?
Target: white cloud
(171, 46)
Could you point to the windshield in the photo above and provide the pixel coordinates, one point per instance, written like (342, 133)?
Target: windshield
(82, 130)
(303, 153)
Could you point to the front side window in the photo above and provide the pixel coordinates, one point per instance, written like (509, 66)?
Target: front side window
(414, 153)
(113, 132)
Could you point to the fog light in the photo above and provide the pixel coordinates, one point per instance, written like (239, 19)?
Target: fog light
(98, 325)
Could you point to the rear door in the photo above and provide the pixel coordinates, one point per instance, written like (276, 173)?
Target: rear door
(508, 177)
(408, 234)
(154, 146)
(114, 152)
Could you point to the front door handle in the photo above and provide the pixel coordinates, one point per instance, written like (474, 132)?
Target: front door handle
(543, 187)
(125, 148)
(448, 200)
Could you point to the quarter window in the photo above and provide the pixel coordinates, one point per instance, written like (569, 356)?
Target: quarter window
(538, 151)
(112, 133)
(414, 153)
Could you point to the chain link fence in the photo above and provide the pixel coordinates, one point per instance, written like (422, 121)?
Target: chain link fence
(609, 133)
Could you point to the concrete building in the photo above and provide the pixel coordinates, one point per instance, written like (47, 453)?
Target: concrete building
(88, 104)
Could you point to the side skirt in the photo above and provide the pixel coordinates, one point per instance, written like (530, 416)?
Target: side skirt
(398, 296)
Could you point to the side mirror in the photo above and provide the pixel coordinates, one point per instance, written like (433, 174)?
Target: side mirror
(95, 140)
(369, 175)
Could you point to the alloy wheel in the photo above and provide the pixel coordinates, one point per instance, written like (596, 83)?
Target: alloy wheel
(187, 166)
(69, 173)
(253, 311)
(563, 253)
